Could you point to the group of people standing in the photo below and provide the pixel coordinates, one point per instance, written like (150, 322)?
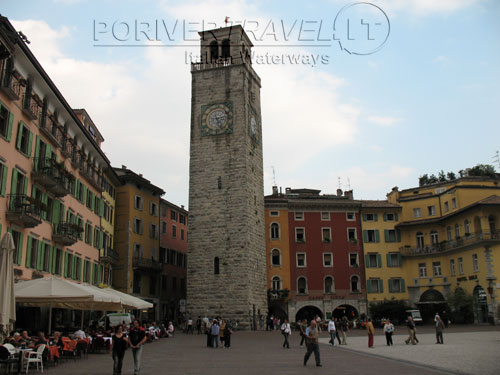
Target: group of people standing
(218, 329)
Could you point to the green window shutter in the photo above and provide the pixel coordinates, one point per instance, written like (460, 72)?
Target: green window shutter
(9, 129)
(28, 251)
(73, 268)
(77, 187)
(84, 195)
(367, 261)
(368, 286)
(385, 216)
(99, 274)
(365, 236)
(13, 183)
(101, 240)
(396, 216)
(403, 285)
(379, 261)
(37, 149)
(25, 186)
(19, 133)
(53, 254)
(30, 144)
(48, 151)
(66, 271)
(45, 201)
(39, 256)
(400, 260)
(377, 236)
(398, 235)
(4, 180)
(92, 201)
(388, 259)
(375, 217)
(364, 217)
(94, 270)
(20, 252)
(386, 235)
(391, 289)
(56, 211)
(101, 207)
(381, 286)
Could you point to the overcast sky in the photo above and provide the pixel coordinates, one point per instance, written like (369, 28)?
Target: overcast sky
(382, 115)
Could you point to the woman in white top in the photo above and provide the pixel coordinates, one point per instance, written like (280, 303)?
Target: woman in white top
(388, 330)
(286, 331)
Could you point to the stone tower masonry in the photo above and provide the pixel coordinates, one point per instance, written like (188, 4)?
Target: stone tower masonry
(226, 273)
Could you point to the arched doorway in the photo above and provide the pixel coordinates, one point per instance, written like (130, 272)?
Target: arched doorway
(481, 304)
(345, 310)
(308, 312)
(278, 312)
(431, 302)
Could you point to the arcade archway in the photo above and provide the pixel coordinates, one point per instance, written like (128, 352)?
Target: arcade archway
(309, 313)
(345, 310)
(431, 302)
(481, 304)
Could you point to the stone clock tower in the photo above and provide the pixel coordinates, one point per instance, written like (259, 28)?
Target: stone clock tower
(226, 272)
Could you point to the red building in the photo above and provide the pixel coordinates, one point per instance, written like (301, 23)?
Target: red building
(173, 256)
(326, 254)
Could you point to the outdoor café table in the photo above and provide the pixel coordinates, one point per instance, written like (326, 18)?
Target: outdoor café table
(69, 345)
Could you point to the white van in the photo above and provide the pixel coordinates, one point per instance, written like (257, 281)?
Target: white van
(415, 314)
(116, 319)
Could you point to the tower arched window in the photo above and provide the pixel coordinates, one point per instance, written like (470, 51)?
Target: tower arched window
(216, 266)
(214, 50)
(275, 231)
(226, 49)
(302, 285)
(467, 227)
(276, 257)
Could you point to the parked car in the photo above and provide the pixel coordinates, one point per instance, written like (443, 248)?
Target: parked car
(415, 314)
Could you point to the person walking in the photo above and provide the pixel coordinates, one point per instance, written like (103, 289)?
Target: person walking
(388, 330)
(411, 331)
(312, 335)
(337, 332)
(119, 345)
(190, 326)
(198, 325)
(215, 333)
(302, 329)
(344, 325)
(227, 335)
(208, 332)
(332, 331)
(137, 338)
(439, 329)
(371, 332)
(286, 331)
(221, 332)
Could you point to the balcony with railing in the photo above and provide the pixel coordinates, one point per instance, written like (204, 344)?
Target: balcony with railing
(66, 233)
(52, 175)
(461, 243)
(278, 295)
(219, 63)
(146, 264)
(92, 175)
(53, 131)
(67, 146)
(109, 255)
(31, 108)
(11, 86)
(24, 210)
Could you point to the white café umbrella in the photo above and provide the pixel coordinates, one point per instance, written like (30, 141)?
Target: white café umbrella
(7, 298)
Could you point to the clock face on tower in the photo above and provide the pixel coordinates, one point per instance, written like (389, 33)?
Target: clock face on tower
(253, 124)
(217, 119)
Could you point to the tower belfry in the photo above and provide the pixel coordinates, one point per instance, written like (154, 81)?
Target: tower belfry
(226, 247)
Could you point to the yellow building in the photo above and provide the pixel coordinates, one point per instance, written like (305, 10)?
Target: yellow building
(385, 278)
(450, 239)
(278, 254)
(137, 239)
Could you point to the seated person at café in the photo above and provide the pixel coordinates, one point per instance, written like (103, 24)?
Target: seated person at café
(28, 341)
(79, 334)
(170, 331)
(14, 339)
(40, 339)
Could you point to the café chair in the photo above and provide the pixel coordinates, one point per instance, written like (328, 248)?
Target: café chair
(35, 357)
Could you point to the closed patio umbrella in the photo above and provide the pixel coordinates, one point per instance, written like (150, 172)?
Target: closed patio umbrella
(7, 299)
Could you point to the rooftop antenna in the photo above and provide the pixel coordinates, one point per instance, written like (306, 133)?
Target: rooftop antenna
(348, 184)
(274, 176)
(496, 159)
(340, 184)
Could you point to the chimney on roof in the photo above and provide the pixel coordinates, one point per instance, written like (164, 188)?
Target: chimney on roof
(288, 190)
(140, 174)
(349, 194)
(339, 192)
(124, 166)
(275, 190)
(182, 206)
(395, 188)
(281, 191)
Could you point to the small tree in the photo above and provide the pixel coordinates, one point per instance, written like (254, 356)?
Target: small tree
(462, 306)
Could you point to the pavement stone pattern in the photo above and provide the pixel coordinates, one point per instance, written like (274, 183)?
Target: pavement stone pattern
(465, 352)
(462, 352)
